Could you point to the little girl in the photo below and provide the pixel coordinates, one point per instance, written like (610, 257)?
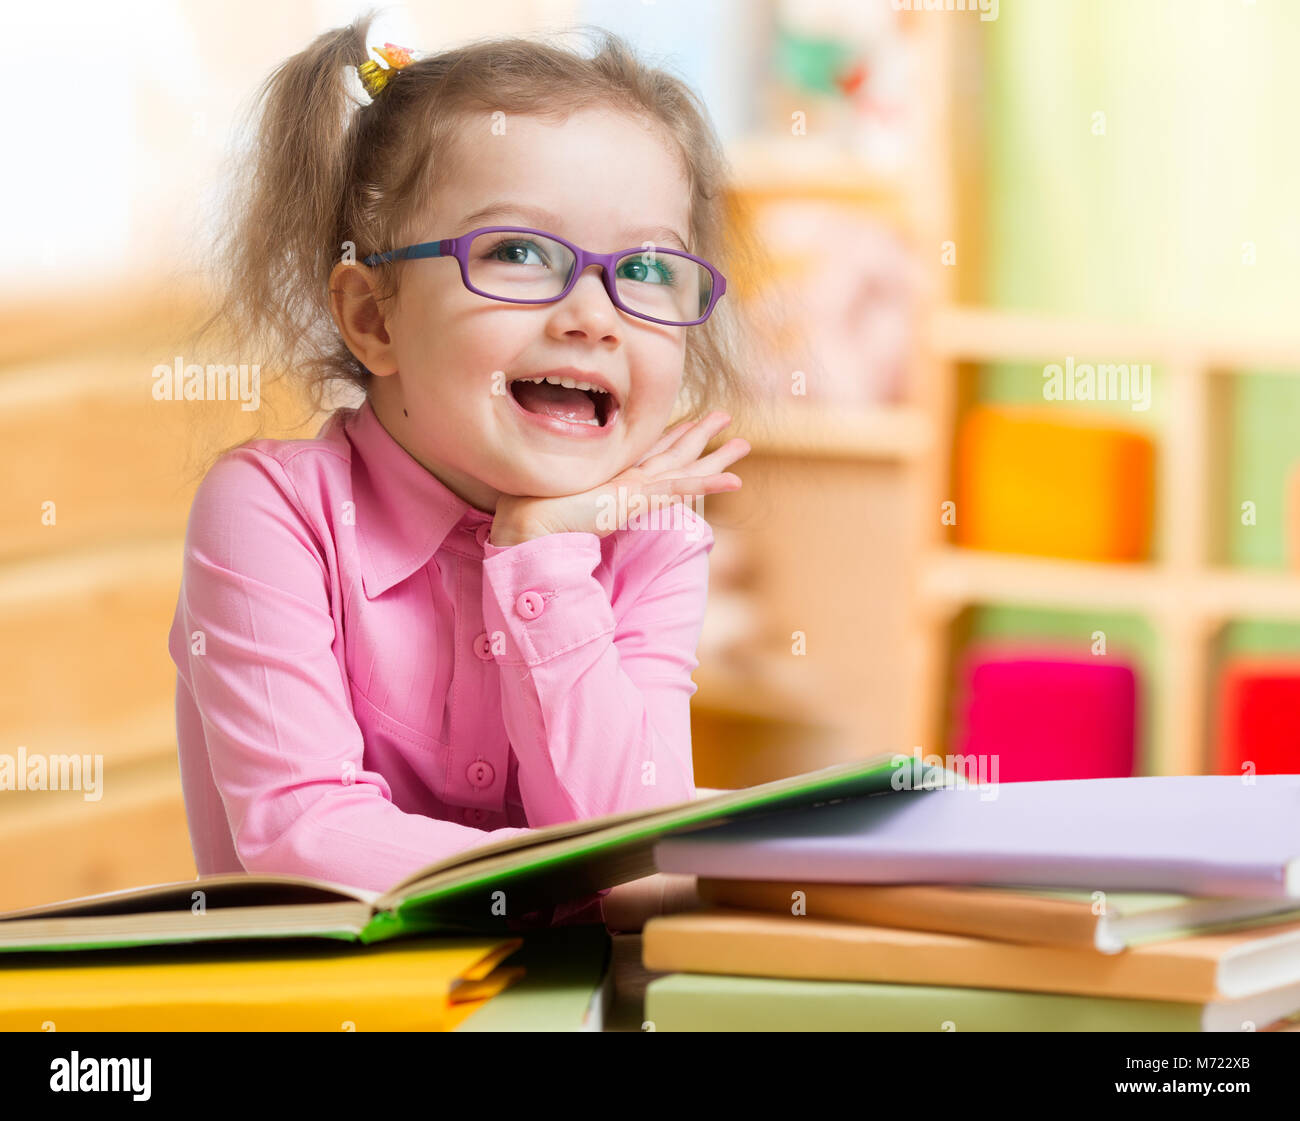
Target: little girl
(429, 628)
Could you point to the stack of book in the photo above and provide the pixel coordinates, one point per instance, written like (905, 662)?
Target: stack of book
(1121, 904)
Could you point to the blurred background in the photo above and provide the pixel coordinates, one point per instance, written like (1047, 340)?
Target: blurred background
(1026, 485)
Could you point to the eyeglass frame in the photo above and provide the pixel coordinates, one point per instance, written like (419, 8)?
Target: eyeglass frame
(458, 247)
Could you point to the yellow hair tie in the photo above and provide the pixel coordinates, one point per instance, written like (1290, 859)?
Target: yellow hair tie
(375, 77)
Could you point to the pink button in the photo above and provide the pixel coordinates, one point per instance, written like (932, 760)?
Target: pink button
(529, 605)
(483, 533)
(480, 773)
(475, 816)
(483, 647)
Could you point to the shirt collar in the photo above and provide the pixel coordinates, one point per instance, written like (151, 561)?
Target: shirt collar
(404, 513)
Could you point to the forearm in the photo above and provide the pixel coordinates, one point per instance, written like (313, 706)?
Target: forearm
(355, 836)
(589, 740)
(597, 709)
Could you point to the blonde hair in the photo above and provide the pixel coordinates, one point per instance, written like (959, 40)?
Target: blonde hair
(328, 170)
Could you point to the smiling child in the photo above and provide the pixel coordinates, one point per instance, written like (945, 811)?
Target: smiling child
(422, 630)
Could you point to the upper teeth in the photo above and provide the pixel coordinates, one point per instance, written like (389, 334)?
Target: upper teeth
(568, 383)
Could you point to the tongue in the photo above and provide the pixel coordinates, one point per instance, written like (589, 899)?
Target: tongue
(555, 400)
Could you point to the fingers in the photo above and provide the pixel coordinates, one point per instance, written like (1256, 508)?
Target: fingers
(694, 485)
(665, 441)
(686, 446)
(724, 456)
(672, 493)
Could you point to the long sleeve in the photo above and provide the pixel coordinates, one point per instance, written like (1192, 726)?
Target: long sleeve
(598, 708)
(256, 640)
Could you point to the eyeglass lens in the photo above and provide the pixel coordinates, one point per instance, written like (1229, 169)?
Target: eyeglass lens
(517, 265)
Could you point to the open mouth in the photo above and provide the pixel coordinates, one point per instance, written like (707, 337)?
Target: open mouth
(565, 399)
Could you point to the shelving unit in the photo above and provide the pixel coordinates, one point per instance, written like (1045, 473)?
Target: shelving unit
(813, 168)
(87, 600)
(833, 503)
(1183, 593)
(1186, 593)
(956, 577)
(886, 432)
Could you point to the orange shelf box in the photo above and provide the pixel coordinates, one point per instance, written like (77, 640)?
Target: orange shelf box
(1030, 481)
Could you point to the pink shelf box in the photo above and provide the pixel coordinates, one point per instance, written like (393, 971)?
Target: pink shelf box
(1046, 714)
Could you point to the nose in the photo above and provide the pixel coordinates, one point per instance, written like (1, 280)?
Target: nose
(587, 309)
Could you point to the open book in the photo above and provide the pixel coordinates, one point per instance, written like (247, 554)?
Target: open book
(475, 891)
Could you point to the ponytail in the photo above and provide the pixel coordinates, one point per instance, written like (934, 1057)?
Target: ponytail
(286, 191)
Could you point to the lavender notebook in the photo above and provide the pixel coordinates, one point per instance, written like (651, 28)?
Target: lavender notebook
(1189, 834)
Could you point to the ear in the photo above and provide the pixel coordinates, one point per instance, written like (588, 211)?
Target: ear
(360, 318)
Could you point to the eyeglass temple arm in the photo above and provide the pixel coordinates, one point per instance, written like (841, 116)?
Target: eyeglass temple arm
(424, 249)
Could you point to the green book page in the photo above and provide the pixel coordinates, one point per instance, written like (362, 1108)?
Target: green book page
(1130, 904)
(1167, 934)
(563, 969)
(1118, 903)
(708, 1002)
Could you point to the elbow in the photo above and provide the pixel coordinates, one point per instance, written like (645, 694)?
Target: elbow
(277, 839)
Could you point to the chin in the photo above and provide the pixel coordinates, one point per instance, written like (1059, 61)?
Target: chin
(558, 484)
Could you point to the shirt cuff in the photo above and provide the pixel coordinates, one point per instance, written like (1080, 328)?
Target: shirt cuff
(543, 597)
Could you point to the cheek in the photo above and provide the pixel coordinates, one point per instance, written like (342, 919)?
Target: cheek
(465, 351)
(440, 316)
(662, 368)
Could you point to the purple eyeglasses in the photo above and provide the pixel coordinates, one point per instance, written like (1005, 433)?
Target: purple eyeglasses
(523, 266)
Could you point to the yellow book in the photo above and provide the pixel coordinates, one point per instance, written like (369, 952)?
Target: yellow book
(417, 984)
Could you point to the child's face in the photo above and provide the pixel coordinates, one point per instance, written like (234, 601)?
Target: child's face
(600, 180)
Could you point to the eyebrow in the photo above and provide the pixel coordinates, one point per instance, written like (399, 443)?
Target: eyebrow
(547, 220)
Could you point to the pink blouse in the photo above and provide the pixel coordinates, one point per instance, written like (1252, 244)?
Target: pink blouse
(366, 685)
